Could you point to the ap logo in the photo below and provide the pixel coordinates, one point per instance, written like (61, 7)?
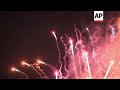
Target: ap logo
(98, 16)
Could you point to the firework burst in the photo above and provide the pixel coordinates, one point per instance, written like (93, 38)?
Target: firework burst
(89, 58)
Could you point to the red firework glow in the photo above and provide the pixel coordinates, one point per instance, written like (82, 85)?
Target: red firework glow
(97, 58)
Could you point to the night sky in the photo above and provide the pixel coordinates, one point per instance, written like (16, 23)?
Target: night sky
(26, 35)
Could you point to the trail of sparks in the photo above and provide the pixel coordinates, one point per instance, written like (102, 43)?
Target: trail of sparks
(73, 57)
(59, 54)
(24, 74)
(82, 48)
(78, 42)
(50, 66)
(89, 71)
(94, 55)
(36, 71)
(46, 64)
(32, 66)
(65, 46)
(111, 63)
(14, 69)
(39, 69)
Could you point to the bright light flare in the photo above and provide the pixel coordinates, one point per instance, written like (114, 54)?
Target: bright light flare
(54, 35)
(14, 69)
(24, 63)
(53, 32)
(71, 41)
(112, 62)
(40, 62)
(87, 29)
(87, 77)
(85, 54)
(56, 75)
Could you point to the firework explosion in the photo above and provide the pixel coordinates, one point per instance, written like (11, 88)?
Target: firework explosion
(95, 55)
